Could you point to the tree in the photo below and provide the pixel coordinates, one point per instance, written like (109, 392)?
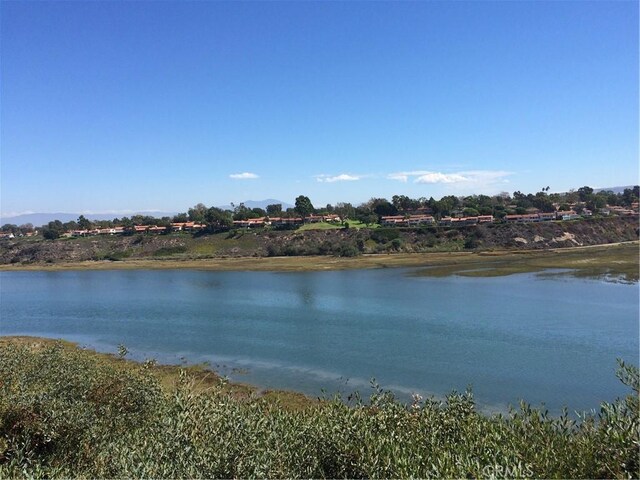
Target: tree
(470, 212)
(585, 193)
(404, 203)
(83, 223)
(274, 210)
(542, 202)
(345, 210)
(26, 228)
(241, 212)
(180, 218)
(53, 230)
(382, 207)
(164, 222)
(304, 207)
(70, 226)
(217, 219)
(596, 202)
(364, 214)
(629, 195)
(10, 228)
(196, 214)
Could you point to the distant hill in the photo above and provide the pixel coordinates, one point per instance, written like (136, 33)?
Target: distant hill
(612, 189)
(39, 219)
(259, 204)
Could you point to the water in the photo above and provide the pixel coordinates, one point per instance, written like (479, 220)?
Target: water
(551, 340)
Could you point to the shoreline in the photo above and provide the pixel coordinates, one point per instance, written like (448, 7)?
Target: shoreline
(203, 375)
(614, 258)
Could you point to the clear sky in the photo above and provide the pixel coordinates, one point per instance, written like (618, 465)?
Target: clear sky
(119, 106)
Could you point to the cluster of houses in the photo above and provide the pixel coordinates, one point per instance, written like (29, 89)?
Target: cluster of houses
(546, 217)
(420, 220)
(416, 220)
(621, 210)
(11, 235)
(285, 221)
(175, 227)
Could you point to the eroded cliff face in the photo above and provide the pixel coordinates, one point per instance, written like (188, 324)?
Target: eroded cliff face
(343, 242)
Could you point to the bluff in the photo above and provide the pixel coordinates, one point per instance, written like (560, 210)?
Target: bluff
(339, 242)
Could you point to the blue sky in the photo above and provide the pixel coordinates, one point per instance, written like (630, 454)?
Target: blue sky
(122, 106)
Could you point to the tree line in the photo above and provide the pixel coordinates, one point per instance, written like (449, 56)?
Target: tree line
(216, 219)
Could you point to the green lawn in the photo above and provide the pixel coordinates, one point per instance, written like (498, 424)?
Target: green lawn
(334, 226)
(320, 226)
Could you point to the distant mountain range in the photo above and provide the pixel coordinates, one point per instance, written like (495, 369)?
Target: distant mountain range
(612, 189)
(39, 219)
(259, 204)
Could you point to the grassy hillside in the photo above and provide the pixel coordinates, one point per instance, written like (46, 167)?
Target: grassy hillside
(66, 412)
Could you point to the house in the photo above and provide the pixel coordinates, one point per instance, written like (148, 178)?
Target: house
(186, 226)
(525, 218)
(469, 221)
(421, 220)
(621, 211)
(564, 213)
(111, 231)
(547, 216)
(285, 221)
(485, 219)
(407, 221)
(250, 222)
(314, 218)
(392, 220)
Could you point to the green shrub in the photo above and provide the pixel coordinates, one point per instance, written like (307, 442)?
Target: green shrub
(348, 249)
(117, 256)
(167, 251)
(471, 242)
(67, 413)
(384, 235)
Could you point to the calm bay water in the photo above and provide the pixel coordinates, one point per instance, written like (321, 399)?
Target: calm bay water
(551, 340)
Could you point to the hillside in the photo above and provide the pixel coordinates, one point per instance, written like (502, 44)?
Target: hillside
(337, 242)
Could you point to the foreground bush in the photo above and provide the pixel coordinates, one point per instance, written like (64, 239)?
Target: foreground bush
(66, 413)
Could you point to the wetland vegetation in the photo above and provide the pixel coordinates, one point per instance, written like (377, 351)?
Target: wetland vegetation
(616, 260)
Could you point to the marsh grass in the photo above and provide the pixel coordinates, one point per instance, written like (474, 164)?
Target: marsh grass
(66, 412)
(619, 261)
